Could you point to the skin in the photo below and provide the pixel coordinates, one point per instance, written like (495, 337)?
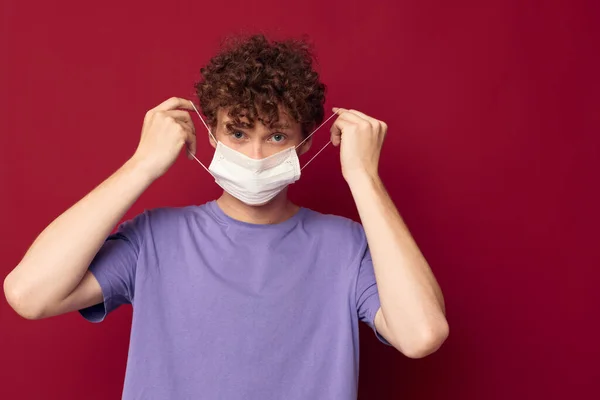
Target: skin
(259, 142)
(52, 278)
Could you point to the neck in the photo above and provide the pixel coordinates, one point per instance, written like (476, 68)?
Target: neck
(277, 210)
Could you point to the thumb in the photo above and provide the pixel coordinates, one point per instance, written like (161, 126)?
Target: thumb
(191, 146)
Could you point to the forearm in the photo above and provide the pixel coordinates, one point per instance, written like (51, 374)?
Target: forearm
(412, 303)
(58, 259)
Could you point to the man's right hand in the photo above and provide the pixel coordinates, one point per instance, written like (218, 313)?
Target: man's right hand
(167, 128)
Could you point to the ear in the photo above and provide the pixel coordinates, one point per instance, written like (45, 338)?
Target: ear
(210, 137)
(305, 146)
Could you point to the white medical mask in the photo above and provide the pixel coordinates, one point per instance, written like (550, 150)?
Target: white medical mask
(255, 182)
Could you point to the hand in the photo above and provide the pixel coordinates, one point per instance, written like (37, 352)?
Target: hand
(361, 138)
(165, 131)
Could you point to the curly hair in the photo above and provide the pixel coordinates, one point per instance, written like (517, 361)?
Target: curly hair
(253, 78)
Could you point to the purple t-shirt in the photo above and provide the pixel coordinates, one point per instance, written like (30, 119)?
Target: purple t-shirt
(224, 309)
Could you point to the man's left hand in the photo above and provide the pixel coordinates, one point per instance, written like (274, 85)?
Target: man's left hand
(360, 138)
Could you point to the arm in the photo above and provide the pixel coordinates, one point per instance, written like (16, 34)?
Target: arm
(412, 314)
(52, 277)
(412, 305)
(44, 282)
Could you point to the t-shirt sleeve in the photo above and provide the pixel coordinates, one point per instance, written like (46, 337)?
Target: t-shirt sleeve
(114, 267)
(367, 295)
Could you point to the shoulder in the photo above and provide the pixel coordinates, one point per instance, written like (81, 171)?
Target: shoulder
(341, 238)
(163, 218)
(335, 227)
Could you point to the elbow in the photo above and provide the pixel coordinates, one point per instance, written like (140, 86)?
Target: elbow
(19, 300)
(428, 341)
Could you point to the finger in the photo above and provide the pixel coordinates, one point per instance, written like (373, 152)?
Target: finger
(342, 112)
(174, 103)
(347, 120)
(356, 116)
(189, 134)
(362, 115)
(179, 115)
(191, 150)
(356, 120)
(355, 112)
(375, 125)
(183, 117)
(336, 130)
(190, 144)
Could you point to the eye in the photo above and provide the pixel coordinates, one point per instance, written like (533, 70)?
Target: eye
(238, 135)
(278, 137)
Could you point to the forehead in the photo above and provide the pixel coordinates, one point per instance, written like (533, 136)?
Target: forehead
(284, 120)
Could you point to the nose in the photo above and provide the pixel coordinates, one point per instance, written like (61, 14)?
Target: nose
(256, 150)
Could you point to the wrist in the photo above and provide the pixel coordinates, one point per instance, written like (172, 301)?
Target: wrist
(139, 171)
(361, 179)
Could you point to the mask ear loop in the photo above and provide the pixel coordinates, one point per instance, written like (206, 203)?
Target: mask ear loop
(209, 132)
(301, 143)
(308, 137)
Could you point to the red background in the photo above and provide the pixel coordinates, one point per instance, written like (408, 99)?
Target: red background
(492, 158)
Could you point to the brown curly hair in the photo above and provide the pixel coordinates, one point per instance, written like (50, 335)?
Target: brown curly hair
(253, 77)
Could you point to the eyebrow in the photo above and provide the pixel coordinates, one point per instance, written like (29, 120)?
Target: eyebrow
(272, 127)
(280, 125)
(229, 125)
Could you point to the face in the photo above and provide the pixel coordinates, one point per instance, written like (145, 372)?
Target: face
(260, 141)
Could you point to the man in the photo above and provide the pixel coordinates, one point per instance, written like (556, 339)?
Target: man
(248, 296)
